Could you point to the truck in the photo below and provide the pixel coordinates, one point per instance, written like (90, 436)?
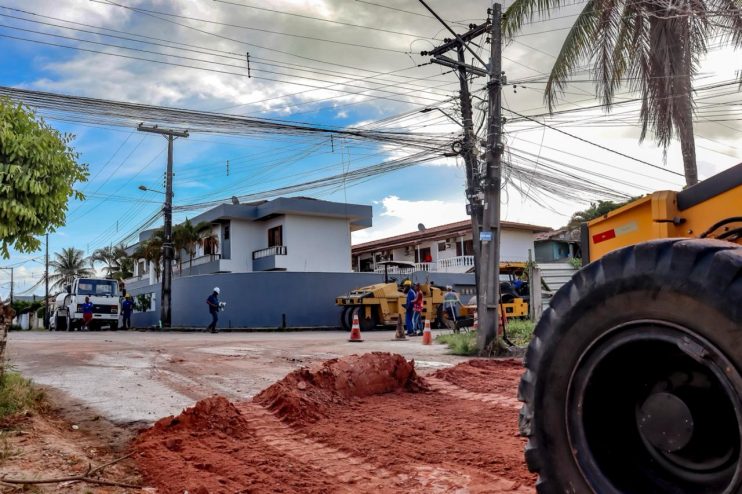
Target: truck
(103, 294)
(633, 380)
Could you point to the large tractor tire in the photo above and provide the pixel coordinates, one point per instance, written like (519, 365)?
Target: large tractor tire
(633, 380)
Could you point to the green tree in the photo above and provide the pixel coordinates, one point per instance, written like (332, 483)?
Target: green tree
(38, 170)
(68, 265)
(187, 237)
(653, 46)
(151, 251)
(118, 265)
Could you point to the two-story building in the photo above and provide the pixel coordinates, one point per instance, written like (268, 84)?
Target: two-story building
(284, 234)
(445, 248)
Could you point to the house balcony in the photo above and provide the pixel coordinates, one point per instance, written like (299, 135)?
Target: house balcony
(458, 264)
(205, 264)
(270, 259)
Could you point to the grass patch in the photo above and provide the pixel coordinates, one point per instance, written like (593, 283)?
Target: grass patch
(520, 331)
(18, 395)
(459, 343)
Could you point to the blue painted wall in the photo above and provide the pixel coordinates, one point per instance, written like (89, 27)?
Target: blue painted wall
(260, 299)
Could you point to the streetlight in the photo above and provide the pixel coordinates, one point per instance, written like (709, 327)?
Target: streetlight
(147, 189)
(429, 109)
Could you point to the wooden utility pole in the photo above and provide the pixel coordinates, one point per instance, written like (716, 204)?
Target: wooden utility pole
(167, 209)
(483, 192)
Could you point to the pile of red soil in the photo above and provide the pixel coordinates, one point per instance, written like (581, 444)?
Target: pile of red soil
(484, 376)
(307, 394)
(211, 448)
(347, 425)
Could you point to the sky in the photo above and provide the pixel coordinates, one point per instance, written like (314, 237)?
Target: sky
(338, 63)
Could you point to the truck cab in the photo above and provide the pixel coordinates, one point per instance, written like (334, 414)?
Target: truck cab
(103, 294)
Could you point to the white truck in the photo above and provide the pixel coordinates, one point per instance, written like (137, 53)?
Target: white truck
(103, 294)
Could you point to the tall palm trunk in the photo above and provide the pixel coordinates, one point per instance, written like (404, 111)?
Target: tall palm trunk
(685, 133)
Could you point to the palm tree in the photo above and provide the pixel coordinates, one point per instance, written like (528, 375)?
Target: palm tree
(652, 45)
(68, 265)
(185, 238)
(151, 251)
(208, 241)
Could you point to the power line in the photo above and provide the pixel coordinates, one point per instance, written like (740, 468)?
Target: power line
(594, 144)
(348, 24)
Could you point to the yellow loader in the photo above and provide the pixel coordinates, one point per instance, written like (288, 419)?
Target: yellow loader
(633, 380)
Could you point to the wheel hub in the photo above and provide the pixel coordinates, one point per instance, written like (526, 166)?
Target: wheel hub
(653, 407)
(666, 422)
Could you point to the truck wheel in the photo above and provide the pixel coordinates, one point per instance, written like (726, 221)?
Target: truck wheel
(344, 318)
(633, 380)
(114, 326)
(366, 323)
(60, 324)
(69, 323)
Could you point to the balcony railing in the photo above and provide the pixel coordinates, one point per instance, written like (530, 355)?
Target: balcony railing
(196, 261)
(458, 264)
(276, 250)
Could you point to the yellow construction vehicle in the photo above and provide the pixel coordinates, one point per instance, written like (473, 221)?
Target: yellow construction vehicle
(634, 375)
(382, 304)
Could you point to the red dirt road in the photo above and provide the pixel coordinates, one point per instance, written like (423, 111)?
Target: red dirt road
(358, 424)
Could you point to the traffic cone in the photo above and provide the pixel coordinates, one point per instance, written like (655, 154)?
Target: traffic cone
(427, 335)
(355, 331)
(400, 330)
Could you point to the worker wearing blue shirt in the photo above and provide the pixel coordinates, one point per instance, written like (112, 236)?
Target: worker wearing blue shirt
(213, 302)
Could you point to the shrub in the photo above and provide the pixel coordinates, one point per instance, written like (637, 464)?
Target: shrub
(460, 343)
(18, 395)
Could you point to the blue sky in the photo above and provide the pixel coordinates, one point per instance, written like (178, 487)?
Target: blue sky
(120, 159)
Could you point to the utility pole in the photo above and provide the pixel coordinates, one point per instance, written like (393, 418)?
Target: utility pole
(167, 209)
(489, 298)
(485, 217)
(46, 283)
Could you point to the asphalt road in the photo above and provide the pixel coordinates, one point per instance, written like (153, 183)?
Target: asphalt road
(139, 377)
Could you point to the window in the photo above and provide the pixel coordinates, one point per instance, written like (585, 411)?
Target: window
(424, 255)
(98, 288)
(441, 246)
(226, 232)
(468, 248)
(275, 236)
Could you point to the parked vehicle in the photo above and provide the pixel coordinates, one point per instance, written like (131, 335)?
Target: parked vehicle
(634, 375)
(103, 294)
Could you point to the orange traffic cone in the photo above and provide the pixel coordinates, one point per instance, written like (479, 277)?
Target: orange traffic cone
(355, 331)
(427, 335)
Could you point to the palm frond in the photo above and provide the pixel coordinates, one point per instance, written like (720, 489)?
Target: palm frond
(576, 48)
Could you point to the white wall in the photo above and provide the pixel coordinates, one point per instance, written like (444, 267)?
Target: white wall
(245, 237)
(514, 245)
(316, 244)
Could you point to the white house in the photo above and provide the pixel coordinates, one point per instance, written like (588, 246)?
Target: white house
(285, 234)
(446, 248)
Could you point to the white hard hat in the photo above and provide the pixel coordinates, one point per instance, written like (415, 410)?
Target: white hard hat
(216, 289)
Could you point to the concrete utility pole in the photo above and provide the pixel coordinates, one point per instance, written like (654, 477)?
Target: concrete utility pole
(485, 217)
(489, 298)
(167, 209)
(46, 284)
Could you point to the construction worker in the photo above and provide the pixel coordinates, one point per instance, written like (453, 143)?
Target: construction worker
(87, 313)
(127, 306)
(409, 309)
(451, 304)
(213, 302)
(417, 317)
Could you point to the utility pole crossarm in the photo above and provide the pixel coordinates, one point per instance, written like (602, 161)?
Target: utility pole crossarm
(166, 132)
(441, 60)
(452, 44)
(458, 38)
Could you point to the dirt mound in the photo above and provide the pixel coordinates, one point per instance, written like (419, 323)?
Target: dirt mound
(483, 376)
(212, 448)
(305, 395)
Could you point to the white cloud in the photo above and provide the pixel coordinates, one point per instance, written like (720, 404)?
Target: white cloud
(402, 216)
